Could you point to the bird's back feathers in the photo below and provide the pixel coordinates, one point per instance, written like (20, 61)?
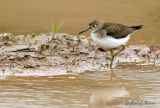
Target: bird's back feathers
(119, 31)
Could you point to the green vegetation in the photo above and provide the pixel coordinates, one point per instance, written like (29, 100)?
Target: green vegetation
(55, 28)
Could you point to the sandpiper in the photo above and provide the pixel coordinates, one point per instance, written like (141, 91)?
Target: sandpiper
(109, 36)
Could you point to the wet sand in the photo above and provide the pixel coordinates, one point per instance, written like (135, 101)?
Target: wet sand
(29, 16)
(49, 55)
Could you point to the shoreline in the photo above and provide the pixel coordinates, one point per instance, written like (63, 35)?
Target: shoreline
(51, 54)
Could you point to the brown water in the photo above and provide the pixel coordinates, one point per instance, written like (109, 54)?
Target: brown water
(27, 16)
(90, 89)
(86, 90)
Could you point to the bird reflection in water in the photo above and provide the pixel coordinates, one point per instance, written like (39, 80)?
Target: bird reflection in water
(110, 96)
(113, 75)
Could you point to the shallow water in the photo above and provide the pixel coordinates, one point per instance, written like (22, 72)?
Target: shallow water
(85, 90)
(27, 16)
(90, 89)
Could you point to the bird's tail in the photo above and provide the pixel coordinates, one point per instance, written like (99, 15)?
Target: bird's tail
(137, 27)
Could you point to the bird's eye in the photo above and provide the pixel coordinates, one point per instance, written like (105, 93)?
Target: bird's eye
(94, 25)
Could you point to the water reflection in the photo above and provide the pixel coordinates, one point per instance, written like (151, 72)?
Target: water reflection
(89, 89)
(113, 75)
(111, 95)
(108, 97)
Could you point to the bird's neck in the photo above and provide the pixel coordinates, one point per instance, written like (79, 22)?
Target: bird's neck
(100, 33)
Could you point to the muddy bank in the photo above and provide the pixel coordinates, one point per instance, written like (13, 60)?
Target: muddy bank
(55, 54)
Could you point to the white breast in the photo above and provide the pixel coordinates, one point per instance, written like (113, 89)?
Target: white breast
(108, 42)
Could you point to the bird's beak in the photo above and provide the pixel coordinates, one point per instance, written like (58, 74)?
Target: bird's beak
(85, 30)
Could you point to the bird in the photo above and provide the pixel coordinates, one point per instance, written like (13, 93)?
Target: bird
(110, 36)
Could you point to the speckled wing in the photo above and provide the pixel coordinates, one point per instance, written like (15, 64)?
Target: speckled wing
(118, 30)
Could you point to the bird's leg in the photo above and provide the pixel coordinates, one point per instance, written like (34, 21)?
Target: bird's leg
(112, 58)
(114, 55)
(112, 75)
(123, 47)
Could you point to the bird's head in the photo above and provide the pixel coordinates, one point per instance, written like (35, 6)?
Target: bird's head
(93, 26)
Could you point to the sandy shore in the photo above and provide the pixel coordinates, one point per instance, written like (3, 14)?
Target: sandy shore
(56, 54)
